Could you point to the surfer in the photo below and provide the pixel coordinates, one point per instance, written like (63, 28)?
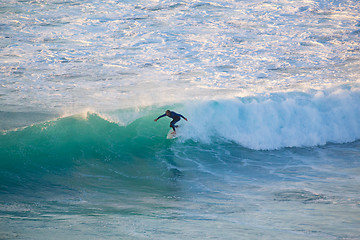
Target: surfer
(175, 116)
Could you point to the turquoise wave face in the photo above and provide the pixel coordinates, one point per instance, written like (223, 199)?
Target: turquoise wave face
(70, 138)
(77, 145)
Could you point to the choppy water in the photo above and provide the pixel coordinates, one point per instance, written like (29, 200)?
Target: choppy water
(270, 88)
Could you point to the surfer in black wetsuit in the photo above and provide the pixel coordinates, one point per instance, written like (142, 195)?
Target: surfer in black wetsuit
(175, 116)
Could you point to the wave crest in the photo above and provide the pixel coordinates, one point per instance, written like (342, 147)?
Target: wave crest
(279, 120)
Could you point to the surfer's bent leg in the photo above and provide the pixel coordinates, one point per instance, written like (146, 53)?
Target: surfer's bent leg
(172, 123)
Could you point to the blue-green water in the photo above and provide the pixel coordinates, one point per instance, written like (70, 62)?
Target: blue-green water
(270, 88)
(86, 177)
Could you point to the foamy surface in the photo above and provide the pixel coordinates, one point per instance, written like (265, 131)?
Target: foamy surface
(112, 54)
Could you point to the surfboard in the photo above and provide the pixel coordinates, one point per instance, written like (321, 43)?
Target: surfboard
(171, 136)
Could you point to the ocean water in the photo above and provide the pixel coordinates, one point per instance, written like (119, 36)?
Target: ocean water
(271, 91)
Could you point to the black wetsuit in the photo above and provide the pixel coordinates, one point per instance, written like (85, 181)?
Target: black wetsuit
(175, 116)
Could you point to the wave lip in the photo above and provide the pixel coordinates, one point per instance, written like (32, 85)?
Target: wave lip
(279, 120)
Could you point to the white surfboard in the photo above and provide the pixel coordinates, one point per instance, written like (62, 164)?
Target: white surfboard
(171, 136)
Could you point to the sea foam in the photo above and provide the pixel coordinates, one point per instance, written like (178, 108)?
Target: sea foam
(292, 119)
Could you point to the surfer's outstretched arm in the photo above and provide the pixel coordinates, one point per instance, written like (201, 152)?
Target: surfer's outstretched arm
(183, 117)
(159, 117)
